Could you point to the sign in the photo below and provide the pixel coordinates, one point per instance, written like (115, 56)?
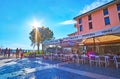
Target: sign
(112, 30)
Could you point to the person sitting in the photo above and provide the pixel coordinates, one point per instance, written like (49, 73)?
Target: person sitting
(90, 52)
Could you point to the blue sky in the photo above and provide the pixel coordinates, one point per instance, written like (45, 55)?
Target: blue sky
(16, 17)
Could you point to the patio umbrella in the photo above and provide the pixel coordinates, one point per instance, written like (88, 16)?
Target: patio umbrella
(104, 39)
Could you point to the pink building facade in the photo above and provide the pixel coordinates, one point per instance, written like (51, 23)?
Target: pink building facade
(103, 17)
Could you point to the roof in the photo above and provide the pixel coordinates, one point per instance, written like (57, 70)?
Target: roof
(98, 8)
(72, 34)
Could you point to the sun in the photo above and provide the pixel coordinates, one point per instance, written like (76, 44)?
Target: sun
(35, 23)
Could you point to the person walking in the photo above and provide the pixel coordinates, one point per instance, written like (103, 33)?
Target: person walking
(5, 52)
(9, 52)
(21, 54)
(0, 51)
(17, 53)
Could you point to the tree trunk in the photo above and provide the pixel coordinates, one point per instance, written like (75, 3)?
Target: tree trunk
(42, 49)
(38, 45)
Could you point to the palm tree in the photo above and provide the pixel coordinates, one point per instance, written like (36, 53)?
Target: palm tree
(39, 35)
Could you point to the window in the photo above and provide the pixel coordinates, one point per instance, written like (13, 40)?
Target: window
(107, 20)
(118, 7)
(105, 11)
(80, 21)
(89, 17)
(119, 16)
(81, 28)
(90, 25)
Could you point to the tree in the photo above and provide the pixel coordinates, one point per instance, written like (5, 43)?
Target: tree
(39, 35)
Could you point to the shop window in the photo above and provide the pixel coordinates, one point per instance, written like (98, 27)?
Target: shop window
(105, 11)
(107, 20)
(81, 27)
(90, 25)
(118, 7)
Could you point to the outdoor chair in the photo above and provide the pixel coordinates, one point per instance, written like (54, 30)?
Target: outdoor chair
(111, 60)
(84, 58)
(55, 56)
(73, 58)
(117, 61)
(76, 58)
(63, 58)
(59, 56)
(67, 57)
(104, 60)
(50, 56)
(93, 59)
(81, 59)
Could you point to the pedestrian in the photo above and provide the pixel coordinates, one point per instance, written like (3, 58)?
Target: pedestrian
(5, 52)
(9, 52)
(21, 54)
(0, 51)
(17, 53)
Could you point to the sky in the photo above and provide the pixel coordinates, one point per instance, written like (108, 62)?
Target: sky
(17, 17)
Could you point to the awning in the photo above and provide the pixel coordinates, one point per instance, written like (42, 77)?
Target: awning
(104, 39)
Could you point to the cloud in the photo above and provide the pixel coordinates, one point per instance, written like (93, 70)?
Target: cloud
(93, 5)
(67, 22)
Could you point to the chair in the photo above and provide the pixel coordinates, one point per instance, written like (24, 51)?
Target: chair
(50, 56)
(111, 60)
(93, 59)
(84, 58)
(76, 58)
(104, 60)
(81, 59)
(117, 61)
(63, 58)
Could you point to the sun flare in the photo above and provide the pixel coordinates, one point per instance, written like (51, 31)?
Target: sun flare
(35, 23)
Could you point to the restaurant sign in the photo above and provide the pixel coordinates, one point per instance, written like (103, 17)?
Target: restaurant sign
(112, 30)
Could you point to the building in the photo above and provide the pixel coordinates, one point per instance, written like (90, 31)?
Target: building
(103, 17)
(100, 20)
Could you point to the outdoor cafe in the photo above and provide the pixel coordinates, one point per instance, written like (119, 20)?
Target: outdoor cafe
(105, 44)
(103, 41)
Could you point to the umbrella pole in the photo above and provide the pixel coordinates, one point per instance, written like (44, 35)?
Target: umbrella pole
(94, 44)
